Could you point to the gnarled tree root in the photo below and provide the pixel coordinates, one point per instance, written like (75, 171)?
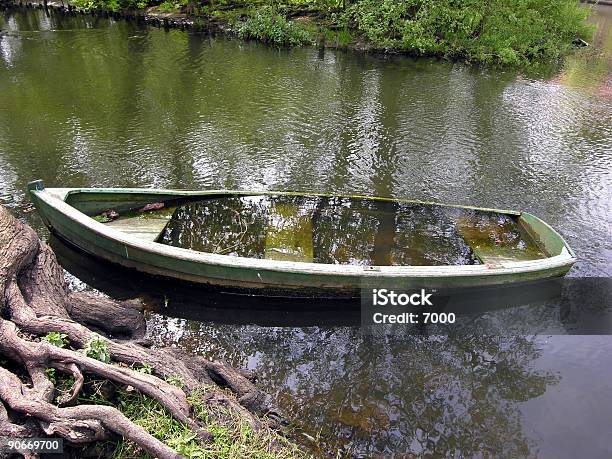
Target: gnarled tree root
(34, 300)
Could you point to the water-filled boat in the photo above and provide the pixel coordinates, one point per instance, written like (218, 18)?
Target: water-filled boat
(303, 244)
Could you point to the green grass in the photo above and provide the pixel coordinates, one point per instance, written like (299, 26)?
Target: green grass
(233, 437)
(340, 38)
(153, 417)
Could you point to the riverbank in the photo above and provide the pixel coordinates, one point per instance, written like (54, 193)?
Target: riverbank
(509, 34)
(100, 385)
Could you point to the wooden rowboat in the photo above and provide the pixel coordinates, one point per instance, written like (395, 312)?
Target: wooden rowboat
(288, 243)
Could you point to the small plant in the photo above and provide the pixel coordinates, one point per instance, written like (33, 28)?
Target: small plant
(185, 443)
(50, 372)
(172, 5)
(63, 385)
(97, 348)
(175, 380)
(57, 339)
(146, 369)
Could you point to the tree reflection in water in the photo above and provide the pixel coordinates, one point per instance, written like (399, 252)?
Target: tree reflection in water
(366, 395)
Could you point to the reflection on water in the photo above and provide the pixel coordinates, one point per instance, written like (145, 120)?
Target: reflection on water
(367, 394)
(346, 231)
(435, 396)
(94, 102)
(591, 69)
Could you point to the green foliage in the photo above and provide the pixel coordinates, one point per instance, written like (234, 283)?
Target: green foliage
(172, 5)
(112, 5)
(50, 373)
(269, 26)
(62, 385)
(233, 437)
(57, 339)
(97, 348)
(509, 32)
(175, 380)
(146, 369)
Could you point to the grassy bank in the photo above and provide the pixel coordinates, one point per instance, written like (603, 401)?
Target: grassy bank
(232, 436)
(230, 433)
(506, 32)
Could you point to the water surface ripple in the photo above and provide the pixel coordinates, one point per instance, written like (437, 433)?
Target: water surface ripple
(94, 102)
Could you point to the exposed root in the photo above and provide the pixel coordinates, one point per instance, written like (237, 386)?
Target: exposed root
(34, 301)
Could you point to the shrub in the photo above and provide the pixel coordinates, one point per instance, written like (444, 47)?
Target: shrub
(57, 339)
(269, 26)
(496, 31)
(112, 5)
(97, 348)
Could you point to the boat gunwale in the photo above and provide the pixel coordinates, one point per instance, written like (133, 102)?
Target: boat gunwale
(56, 198)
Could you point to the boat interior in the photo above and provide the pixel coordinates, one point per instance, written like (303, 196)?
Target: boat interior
(323, 229)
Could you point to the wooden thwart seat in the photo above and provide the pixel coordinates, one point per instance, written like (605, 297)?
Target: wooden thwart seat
(147, 227)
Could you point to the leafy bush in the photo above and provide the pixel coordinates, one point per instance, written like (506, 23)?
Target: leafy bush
(172, 5)
(146, 369)
(97, 348)
(497, 31)
(269, 26)
(57, 339)
(112, 5)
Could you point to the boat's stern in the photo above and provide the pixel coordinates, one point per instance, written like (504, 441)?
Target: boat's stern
(558, 250)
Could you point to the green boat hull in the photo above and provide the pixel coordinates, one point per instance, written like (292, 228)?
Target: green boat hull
(67, 212)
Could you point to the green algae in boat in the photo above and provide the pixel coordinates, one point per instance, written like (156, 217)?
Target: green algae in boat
(300, 244)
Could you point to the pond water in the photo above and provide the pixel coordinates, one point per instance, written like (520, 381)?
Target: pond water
(93, 102)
